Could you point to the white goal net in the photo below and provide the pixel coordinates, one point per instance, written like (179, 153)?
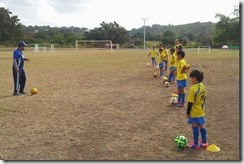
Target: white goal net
(203, 48)
(93, 44)
(41, 47)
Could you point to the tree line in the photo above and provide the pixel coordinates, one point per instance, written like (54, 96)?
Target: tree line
(225, 31)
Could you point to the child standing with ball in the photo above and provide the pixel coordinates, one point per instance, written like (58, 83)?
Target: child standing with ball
(181, 77)
(195, 109)
(172, 60)
(153, 55)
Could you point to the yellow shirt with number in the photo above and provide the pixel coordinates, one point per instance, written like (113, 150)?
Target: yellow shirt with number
(197, 95)
(180, 64)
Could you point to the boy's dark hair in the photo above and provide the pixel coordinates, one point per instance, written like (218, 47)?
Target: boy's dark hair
(181, 53)
(197, 74)
(160, 49)
(180, 47)
(172, 50)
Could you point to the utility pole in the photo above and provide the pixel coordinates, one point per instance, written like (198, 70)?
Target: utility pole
(144, 19)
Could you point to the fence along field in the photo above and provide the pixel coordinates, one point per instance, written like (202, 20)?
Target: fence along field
(106, 105)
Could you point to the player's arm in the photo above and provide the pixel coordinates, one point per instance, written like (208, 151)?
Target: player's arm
(184, 69)
(188, 111)
(190, 100)
(15, 65)
(26, 59)
(149, 54)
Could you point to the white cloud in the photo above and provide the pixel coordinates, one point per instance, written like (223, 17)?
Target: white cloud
(127, 13)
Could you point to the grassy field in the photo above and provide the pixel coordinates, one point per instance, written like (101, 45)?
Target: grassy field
(106, 105)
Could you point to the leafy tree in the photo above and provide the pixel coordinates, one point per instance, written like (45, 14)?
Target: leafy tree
(169, 38)
(10, 29)
(108, 31)
(227, 30)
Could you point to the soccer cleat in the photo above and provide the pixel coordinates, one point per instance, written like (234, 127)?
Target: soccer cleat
(193, 146)
(204, 145)
(177, 92)
(181, 104)
(16, 94)
(22, 93)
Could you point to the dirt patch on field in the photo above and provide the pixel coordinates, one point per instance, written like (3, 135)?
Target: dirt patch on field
(114, 109)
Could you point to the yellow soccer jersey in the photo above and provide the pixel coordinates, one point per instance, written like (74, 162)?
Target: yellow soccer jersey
(187, 64)
(175, 53)
(197, 95)
(180, 64)
(160, 57)
(153, 53)
(172, 60)
(165, 54)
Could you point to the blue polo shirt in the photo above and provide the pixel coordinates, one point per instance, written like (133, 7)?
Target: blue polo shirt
(19, 58)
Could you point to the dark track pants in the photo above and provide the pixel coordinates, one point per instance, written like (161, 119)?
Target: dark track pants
(19, 80)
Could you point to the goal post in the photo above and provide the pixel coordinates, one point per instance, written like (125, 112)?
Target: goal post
(93, 41)
(41, 47)
(205, 47)
(52, 48)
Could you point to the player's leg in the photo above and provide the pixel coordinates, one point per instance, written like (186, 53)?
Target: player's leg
(22, 81)
(170, 74)
(166, 66)
(152, 61)
(161, 68)
(16, 81)
(173, 76)
(195, 131)
(203, 132)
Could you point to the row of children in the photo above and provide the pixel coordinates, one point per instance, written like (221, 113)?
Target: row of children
(197, 93)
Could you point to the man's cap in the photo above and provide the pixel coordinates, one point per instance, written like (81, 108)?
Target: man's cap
(22, 44)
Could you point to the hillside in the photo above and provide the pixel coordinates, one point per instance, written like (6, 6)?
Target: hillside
(191, 28)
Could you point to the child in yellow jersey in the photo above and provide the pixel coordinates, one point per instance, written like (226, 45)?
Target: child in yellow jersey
(177, 48)
(172, 60)
(161, 63)
(195, 109)
(153, 55)
(165, 56)
(181, 77)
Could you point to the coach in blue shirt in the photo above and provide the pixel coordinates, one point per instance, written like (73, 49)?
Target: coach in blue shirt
(18, 69)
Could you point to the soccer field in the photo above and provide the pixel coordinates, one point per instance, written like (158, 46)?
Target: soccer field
(106, 105)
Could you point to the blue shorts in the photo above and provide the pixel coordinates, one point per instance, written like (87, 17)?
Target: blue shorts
(181, 83)
(161, 65)
(199, 120)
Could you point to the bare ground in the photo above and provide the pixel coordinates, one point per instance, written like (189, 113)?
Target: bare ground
(110, 107)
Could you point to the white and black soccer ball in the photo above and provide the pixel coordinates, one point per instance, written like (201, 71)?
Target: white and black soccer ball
(166, 84)
(173, 100)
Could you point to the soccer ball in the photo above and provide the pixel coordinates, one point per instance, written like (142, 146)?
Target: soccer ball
(173, 100)
(34, 91)
(174, 95)
(148, 64)
(166, 84)
(155, 74)
(181, 142)
(165, 79)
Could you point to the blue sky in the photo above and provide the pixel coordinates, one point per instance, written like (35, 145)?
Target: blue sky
(127, 13)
